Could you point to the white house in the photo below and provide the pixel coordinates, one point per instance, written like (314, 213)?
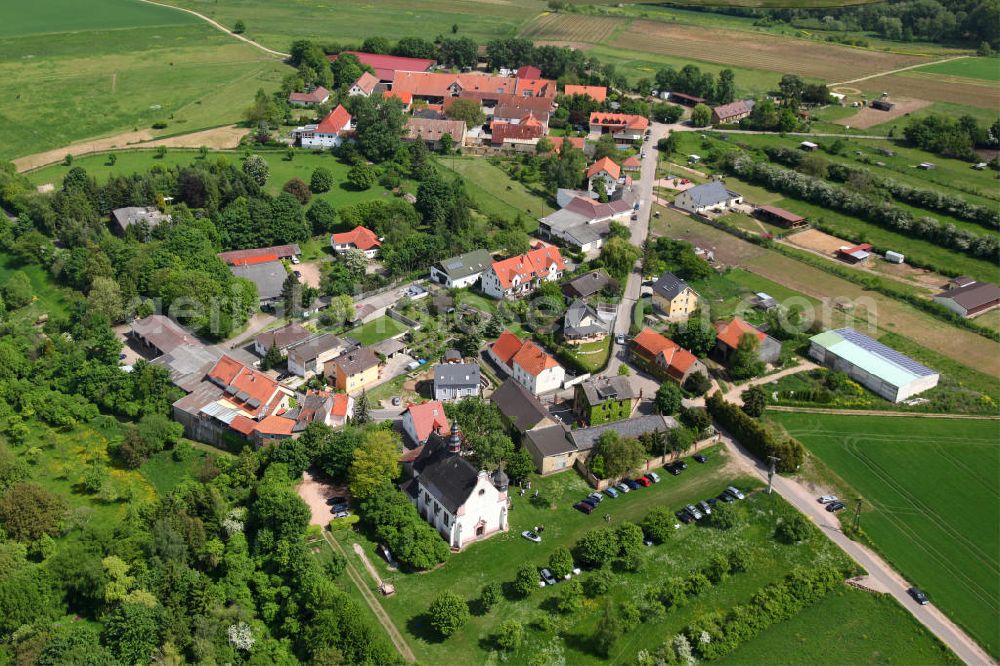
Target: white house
(358, 238)
(520, 275)
(527, 363)
(420, 421)
(709, 197)
(329, 133)
(604, 169)
(461, 271)
(364, 86)
(454, 381)
(462, 503)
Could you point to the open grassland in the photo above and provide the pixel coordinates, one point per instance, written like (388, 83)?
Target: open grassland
(984, 116)
(61, 88)
(48, 298)
(932, 487)
(55, 16)
(970, 68)
(496, 193)
(921, 84)
(856, 628)
(277, 24)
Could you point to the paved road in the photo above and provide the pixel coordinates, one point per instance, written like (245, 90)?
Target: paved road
(216, 24)
(640, 229)
(802, 499)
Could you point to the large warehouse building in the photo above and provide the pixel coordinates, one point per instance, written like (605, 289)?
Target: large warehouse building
(881, 369)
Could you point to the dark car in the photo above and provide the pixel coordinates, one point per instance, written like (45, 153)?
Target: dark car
(673, 469)
(584, 507)
(727, 498)
(700, 458)
(632, 484)
(591, 501)
(834, 507)
(681, 465)
(918, 596)
(683, 516)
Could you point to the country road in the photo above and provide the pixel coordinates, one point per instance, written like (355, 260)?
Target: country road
(895, 71)
(796, 494)
(216, 24)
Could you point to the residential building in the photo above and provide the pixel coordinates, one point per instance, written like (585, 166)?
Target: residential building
(520, 408)
(631, 163)
(318, 95)
(329, 133)
(420, 420)
(354, 370)
(516, 110)
(606, 170)
(664, 357)
(577, 142)
(596, 93)
(551, 449)
(523, 136)
(623, 126)
(386, 66)
(260, 254)
(729, 334)
(587, 285)
(462, 503)
(527, 363)
(454, 381)
(605, 399)
(364, 86)
(582, 323)
(711, 197)
(405, 98)
(881, 369)
(535, 87)
(971, 298)
(287, 336)
(142, 218)
(584, 222)
(268, 276)
(434, 87)
(674, 298)
(310, 357)
(430, 131)
(780, 217)
(734, 112)
(520, 275)
(331, 409)
(358, 238)
(462, 271)
(528, 72)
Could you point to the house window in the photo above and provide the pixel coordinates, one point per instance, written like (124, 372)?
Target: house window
(482, 491)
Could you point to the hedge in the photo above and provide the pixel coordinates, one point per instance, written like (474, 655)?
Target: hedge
(754, 436)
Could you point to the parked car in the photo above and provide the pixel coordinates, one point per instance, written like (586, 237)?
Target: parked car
(683, 516)
(611, 492)
(597, 497)
(681, 465)
(726, 497)
(918, 596)
(397, 401)
(712, 501)
(342, 514)
(620, 338)
(295, 259)
(700, 458)
(705, 507)
(589, 500)
(547, 577)
(673, 469)
(583, 507)
(632, 484)
(695, 513)
(826, 499)
(531, 536)
(283, 376)
(623, 488)
(654, 477)
(643, 481)
(735, 492)
(834, 507)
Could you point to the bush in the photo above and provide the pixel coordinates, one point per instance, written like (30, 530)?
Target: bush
(717, 568)
(490, 595)
(754, 436)
(509, 635)
(658, 524)
(696, 584)
(726, 516)
(526, 579)
(697, 383)
(347, 523)
(362, 176)
(570, 597)
(448, 613)
(597, 583)
(597, 547)
(298, 189)
(793, 529)
(561, 562)
(629, 615)
(321, 180)
(740, 560)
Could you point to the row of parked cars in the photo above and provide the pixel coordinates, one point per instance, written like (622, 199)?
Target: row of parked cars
(699, 510)
(590, 502)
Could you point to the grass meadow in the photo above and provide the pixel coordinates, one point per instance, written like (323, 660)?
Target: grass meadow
(931, 490)
(972, 68)
(377, 330)
(496, 193)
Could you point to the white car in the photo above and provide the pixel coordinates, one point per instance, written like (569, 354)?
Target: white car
(826, 499)
(295, 259)
(531, 536)
(735, 492)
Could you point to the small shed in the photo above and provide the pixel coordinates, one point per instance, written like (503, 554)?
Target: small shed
(808, 146)
(926, 166)
(694, 159)
(894, 257)
(882, 105)
(856, 254)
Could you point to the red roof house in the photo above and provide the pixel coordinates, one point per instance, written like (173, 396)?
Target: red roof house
(386, 66)
(662, 354)
(606, 165)
(506, 347)
(419, 421)
(358, 238)
(521, 274)
(596, 93)
(529, 72)
(335, 122)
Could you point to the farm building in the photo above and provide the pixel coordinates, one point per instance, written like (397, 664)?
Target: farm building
(971, 298)
(856, 254)
(780, 217)
(882, 105)
(364, 86)
(709, 197)
(734, 112)
(808, 146)
(522, 136)
(686, 100)
(386, 66)
(268, 276)
(260, 254)
(430, 131)
(881, 369)
(596, 93)
(894, 257)
(729, 333)
(317, 95)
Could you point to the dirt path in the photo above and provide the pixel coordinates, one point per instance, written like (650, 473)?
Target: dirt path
(897, 71)
(879, 412)
(216, 24)
(799, 496)
(216, 138)
(373, 603)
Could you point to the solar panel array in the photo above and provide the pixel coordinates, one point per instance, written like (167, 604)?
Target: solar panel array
(888, 353)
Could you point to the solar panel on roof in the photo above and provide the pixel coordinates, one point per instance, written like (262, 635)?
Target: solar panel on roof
(242, 396)
(888, 353)
(253, 403)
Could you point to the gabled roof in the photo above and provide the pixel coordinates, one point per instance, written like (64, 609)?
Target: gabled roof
(782, 214)
(341, 403)
(576, 314)
(604, 164)
(315, 96)
(126, 217)
(678, 361)
(366, 83)
(527, 266)
(386, 66)
(506, 346)
(519, 406)
(602, 389)
(428, 417)
(502, 132)
(162, 332)
(731, 332)
(456, 375)
(652, 343)
(533, 359)
(360, 237)
(534, 87)
(973, 296)
(440, 84)
(619, 120)
(559, 141)
(432, 129)
(513, 106)
(596, 93)
(738, 108)
(586, 438)
(248, 389)
(709, 194)
(593, 209)
(355, 361)
(872, 356)
(670, 286)
(311, 349)
(447, 476)
(550, 441)
(587, 284)
(529, 72)
(254, 255)
(286, 336)
(466, 264)
(403, 96)
(335, 122)
(632, 162)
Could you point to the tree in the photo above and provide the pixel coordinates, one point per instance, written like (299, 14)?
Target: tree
(378, 45)
(467, 110)
(793, 529)
(491, 594)
(667, 145)
(379, 125)
(361, 407)
(725, 87)
(570, 598)
(754, 401)
(132, 632)
(321, 180)
(791, 87)
(264, 111)
(697, 383)
(561, 562)
(597, 547)
(28, 511)
(445, 144)
(658, 524)
(239, 27)
(415, 47)
(619, 455)
(448, 613)
(272, 358)
(375, 464)
(526, 579)
(291, 296)
(668, 398)
(257, 168)
(321, 216)
(279, 511)
(601, 190)
(726, 516)
(298, 189)
(629, 538)
(618, 256)
(106, 297)
(509, 635)
(458, 52)
(362, 176)
(17, 291)
(607, 632)
(701, 116)
(745, 362)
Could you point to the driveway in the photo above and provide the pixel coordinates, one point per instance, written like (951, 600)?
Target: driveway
(310, 273)
(315, 493)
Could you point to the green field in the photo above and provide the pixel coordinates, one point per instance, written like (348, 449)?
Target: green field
(377, 330)
(931, 486)
(496, 193)
(54, 16)
(857, 628)
(973, 68)
(48, 298)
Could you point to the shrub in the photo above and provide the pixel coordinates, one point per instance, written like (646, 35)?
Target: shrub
(526, 579)
(696, 584)
(629, 615)
(740, 560)
(752, 434)
(597, 547)
(448, 613)
(598, 583)
(490, 595)
(717, 568)
(570, 597)
(658, 524)
(298, 189)
(673, 593)
(697, 383)
(726, 516)
(509, 635)
(561, 562)
(321, 180)
(362, 176)
(629, 538)
(793, 529)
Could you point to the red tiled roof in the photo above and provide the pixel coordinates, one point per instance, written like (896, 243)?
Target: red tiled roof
(535, 88)
(502, 132)
(243, 257)
(782, 214)
(678, 361)
(596, 93)
(228, 372)
(366, 82)
(506, 346)
(437, 84)
(275, 425)
(652, 343)
(427, 418)
(604, 164)
(317, 96)
(530, 120)
(529, 72)
(243, 425)
(632, 162)
(533, 359)
(386, 66)
(527, 266)
(575, 141)
(335, 122)
(730, 332)
(361, 237)
(403, 96)
(340, 404)
(618, 120)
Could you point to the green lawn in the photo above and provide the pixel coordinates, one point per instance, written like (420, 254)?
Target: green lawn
(377, 330)
(593, 355)
(48, 297)
(165, 470)
(494, 192)
(857, 628)
(49, 16)
(931, 486)
(973, 68)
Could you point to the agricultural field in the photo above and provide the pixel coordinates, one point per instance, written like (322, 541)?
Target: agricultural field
(987, 69)
(571, 29)
(922, 84)
(931, 489)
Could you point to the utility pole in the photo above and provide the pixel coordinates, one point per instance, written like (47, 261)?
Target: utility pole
(856, 523)
(770, 473)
